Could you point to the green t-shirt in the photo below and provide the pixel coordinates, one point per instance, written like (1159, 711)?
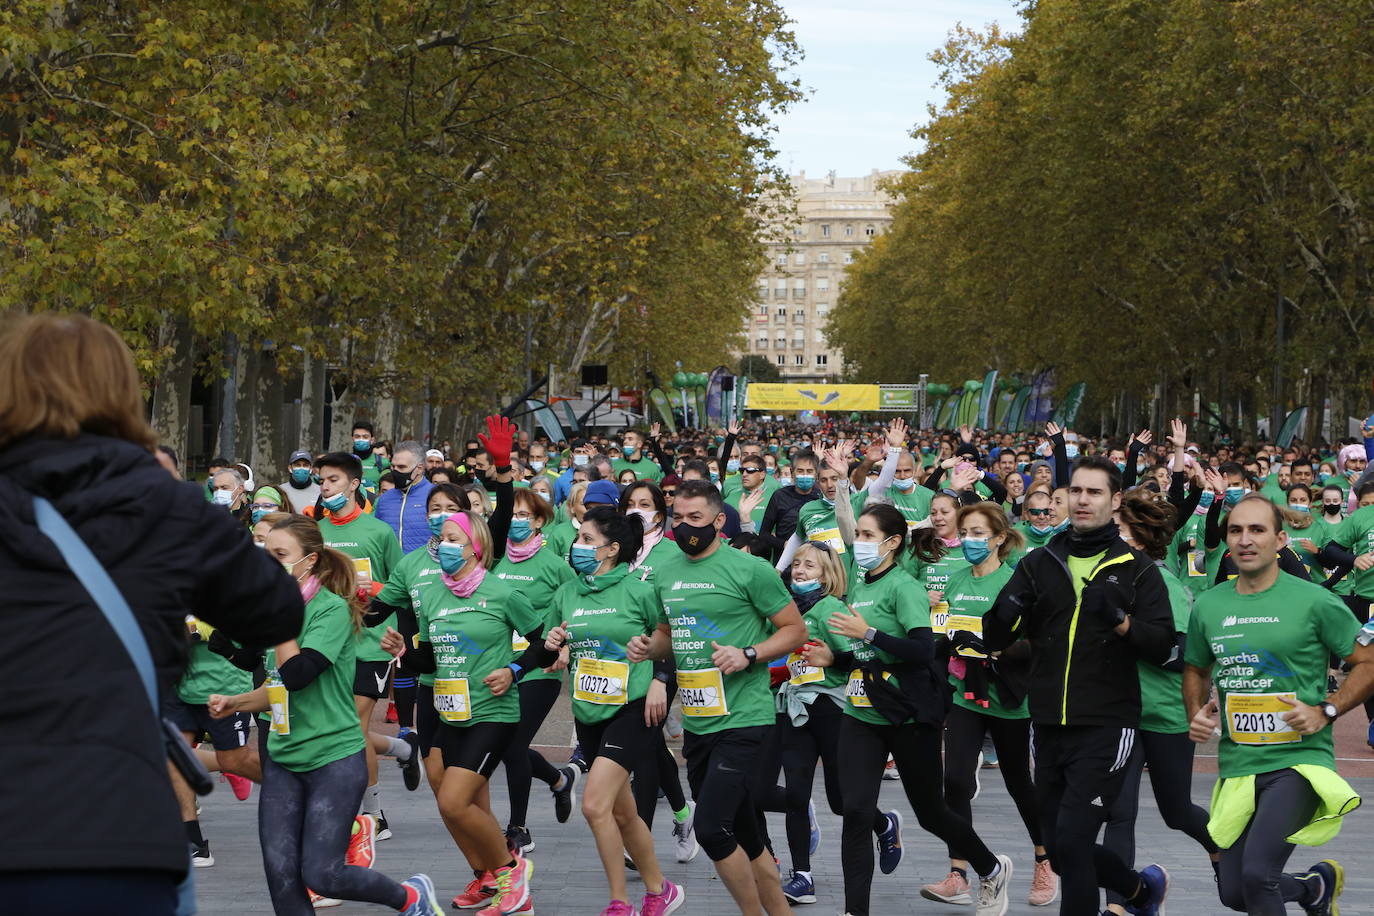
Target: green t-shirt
(1275, 642)
(914, 504)
(934, 577)
(1188, 562)
(661, 553)
(816, 521)
(320, 720)
(1322, 533)
(208, 673)
(733, 499)
(415, 580)
(972, 596)
(372, 541)
(895, 604)
(372, 474)
(645, 468)
(1161, 692)
(471, 638)
(537, 578)
(726, 597)
(1356, 534)
(1312, 533)
(602, 618)
(818, 628)
(735, 482)
(558, 539)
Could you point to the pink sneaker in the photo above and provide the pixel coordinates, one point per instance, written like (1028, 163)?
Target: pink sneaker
(618, 908)
(479, 891)
(664, 902)
(513, 886)
(1044, 885)
(954, 889)
(242, 787)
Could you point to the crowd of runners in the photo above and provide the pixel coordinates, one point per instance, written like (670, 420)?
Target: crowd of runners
(1075, 611)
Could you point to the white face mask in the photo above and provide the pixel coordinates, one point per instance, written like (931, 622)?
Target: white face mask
(646, 518)
(223, 497)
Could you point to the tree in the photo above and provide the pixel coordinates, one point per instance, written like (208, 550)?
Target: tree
(758, 368)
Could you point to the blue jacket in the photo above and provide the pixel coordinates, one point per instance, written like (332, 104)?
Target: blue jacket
(405, 513)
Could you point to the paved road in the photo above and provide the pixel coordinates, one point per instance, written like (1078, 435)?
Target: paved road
(568, 878)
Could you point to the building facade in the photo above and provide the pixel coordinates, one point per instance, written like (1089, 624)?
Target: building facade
(834, 218)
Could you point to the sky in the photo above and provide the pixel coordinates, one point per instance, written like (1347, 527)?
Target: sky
(867, 78)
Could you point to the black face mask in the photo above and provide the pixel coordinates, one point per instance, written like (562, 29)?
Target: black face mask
(401, 479)
(694, 539)
(1331, 509)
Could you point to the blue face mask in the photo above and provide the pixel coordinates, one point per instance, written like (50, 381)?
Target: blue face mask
(805, 481)
(336, 502)
(1323, 477)
(906, 486)
(362, 445)
(300, 476)
(259, 513)
(805, 588)
(772, 448)
(828, 501)
(714, 477)
(436, 523)
(771, 472)
(1299, 507)
(1121, 466)
(582, 558)
(520, 530)
(1071, 450)
(629, 452)
(925, 450)
(976, 550)
(1234, 494)
(867, 555)
(732, 466)
(451, 557)
(1062, 526)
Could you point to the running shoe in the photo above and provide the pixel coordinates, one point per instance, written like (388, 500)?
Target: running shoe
(1156, 881)
(526, 910)
(321, 902)
(1332, 877)
(1044, 885)
(990, 758)
(242, 787)
(426, 903)
(362, 846)
(200, 855)
(578, 760)
(664, 902)
(890, 844)
(630, 864)
(799, 889)
(519, 840)
(565, 799)
(954, 889)
(992, 891)
(479, 891)
(391, 717)
(618, 908)
(513, 886)
(1369, 736)
(383, 828)
(890, 771)
(814, 840)
(410, 768)
(685, 835)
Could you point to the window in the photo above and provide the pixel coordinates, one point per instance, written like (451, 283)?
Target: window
(781, 343)
(870, 231)
(849, 231)
(799, 316)
(763, 343)
(798, 343)
(781, 311)
(825, 230)
(763, 311)
(799, 259)
(821, 359)
(782, 359)
(781, 260)
(780, 291)
(823, 257)
(798, 289)
(799, 360)
(848, 258)
(819, 336)
(799, 232)
(823, 285)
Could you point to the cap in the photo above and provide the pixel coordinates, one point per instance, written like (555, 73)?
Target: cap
(434, 453)
(300, 454)
(601, 491)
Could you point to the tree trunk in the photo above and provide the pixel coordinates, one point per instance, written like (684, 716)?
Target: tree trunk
(387, 421)
(229, 395)
(268, 427)
(172, 390)
(245, 408)
(313, 372)
(341, 416)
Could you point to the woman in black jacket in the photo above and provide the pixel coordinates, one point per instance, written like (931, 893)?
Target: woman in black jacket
(79, 716)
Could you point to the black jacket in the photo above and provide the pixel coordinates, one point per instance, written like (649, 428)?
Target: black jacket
(1081, 672)
(83, 776)
(780, 517)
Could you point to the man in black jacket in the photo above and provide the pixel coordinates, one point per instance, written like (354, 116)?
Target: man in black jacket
(780, 518)
(1090, 606)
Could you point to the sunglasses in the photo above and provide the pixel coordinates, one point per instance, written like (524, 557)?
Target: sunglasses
(670, 492)
(752, 470)
(1040, 513)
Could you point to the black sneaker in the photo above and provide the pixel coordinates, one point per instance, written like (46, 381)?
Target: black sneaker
(578, 760)
(1331, 878)
(383, 828)
(410, 769)
(518, 839)
(565, 798)
(200, 855)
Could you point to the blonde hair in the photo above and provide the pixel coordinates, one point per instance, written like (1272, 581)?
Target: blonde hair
(333, 568)
(62, 375)
(575, 495)
(999, 524)
(833, 577)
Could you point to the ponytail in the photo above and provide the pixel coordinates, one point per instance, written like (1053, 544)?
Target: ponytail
(333, 568)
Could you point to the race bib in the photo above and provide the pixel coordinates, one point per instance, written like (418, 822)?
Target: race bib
(800, 672)
(451, 699)
(1257, 718)
(968, 624)
(518, 642)
(602, 682)
(280, 704)
(1197, 563)
(702, 693)
(939, 616)
(363, 565)
(857, 692)
(831, 536)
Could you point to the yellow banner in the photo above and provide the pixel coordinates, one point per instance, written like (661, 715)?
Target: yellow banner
(782, 396)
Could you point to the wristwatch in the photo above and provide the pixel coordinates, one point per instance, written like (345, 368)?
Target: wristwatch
(751, 654)
(1330, 711)
(869, 634)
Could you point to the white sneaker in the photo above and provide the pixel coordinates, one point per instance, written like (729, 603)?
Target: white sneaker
(992, 892)
(685, 835)
(890, 770)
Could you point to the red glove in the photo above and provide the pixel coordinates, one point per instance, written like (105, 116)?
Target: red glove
(497, 441)
(778, 674)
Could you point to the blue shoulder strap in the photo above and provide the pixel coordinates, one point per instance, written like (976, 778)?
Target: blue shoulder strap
(101, 588)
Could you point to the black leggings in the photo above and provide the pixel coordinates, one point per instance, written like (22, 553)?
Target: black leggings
(305, 821)
(916, 751)
(523, 763)
(660, 771)
(964, 733)
(403, 692)
(802, 745)
(1170, 759)
(1252, 879)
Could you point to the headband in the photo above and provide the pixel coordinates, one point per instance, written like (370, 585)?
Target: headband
(461, 520)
